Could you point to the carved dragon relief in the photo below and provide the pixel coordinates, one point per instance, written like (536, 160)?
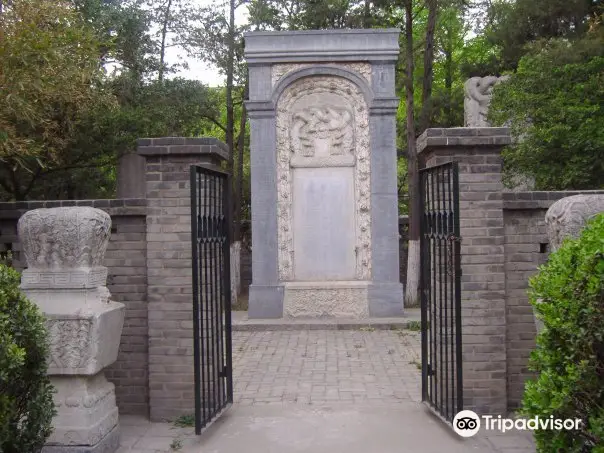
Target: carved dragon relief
(317, 127)
(333, 120)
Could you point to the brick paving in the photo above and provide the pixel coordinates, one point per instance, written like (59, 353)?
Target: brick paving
(337, 372)
(317, 367)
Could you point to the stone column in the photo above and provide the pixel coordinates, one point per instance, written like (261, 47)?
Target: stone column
(478, 152)
(323, 166)
(170, 299)
(64, 249)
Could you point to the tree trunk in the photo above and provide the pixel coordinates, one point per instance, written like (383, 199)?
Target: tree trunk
(413, 262)
(425, 116)
(164, 32)
(449, 85)
(239, 176)
(230, 119)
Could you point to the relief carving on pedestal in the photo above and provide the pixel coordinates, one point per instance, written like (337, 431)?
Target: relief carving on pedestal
(69, 342)
(280, 70)
(323, 117)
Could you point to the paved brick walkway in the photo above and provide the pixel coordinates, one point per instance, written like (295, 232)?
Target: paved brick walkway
(322, 391)
(317, 367)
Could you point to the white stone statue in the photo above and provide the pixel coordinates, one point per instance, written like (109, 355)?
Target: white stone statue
(478, 93)
(64, 249)
(567, 216)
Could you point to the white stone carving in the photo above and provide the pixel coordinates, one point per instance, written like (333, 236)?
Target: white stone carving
(329, 300)
(342, 104)
(64, 249)
(478, 93)
(69, 342)
(567, 216)
(280, 70)
(69, 237)
(326, 127)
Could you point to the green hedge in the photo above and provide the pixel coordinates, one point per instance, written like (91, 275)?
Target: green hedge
(26, 406)
(568, 294)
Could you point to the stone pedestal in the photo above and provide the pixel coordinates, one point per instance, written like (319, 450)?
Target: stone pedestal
(64, 249)
(323, 167)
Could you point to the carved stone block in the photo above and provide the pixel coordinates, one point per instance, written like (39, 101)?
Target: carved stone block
(64, 249)
(326, 300)
(567, 217)
(84, 344)
(64, 238)
(68, 278)
(86, 410)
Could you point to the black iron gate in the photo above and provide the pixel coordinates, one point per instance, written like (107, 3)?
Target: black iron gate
(442, 386)
(210, 237)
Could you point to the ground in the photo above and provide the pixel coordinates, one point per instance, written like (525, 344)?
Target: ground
(322, 391)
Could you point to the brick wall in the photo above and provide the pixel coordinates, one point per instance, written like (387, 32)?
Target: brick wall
(477, 152)
(127, 282)
(526, 248)
(171, 372)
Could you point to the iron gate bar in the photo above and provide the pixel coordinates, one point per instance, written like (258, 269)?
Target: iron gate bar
(212, 336)
(440, 248)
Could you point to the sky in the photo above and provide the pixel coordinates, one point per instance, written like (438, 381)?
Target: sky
(200, 70)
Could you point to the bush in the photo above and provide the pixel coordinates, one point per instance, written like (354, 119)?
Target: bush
(26, 406)
(568, 294)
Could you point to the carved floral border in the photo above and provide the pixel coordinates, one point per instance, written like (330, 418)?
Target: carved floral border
(280, 70)
(362, 173)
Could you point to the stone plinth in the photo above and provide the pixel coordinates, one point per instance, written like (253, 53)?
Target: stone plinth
(323, 167)
(64, 249)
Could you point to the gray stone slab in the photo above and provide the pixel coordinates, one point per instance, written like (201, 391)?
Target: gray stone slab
(108, 444)
(266, 301)
(243, 323)
(322, 45)
(386, 299)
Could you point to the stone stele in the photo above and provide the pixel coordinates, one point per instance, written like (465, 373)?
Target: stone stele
(324, 196)
(64, 249)
(478, 93)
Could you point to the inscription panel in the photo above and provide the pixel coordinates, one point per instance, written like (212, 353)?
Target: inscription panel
(324, 224)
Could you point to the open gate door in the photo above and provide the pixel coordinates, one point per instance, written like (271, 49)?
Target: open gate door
(211, 241)
(442, 388)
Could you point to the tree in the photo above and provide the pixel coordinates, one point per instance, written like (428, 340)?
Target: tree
(50, 77)
(513, 25)
(555, 104)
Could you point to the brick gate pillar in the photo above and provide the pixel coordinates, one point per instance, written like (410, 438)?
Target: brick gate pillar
(478, 152)
(170, 300)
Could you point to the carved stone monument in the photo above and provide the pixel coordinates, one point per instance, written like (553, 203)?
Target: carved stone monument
(64, 249)
(478, 93)
(323, 167)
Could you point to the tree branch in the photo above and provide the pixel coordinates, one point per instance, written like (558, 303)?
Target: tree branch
(216, 122)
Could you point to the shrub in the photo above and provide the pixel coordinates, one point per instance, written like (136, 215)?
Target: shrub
(568, 294)
(26, 406)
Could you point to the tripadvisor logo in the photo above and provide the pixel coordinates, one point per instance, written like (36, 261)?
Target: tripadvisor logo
(467, 423)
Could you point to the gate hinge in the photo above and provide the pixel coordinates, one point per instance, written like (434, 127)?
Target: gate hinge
(224, 372)
(430, 370)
